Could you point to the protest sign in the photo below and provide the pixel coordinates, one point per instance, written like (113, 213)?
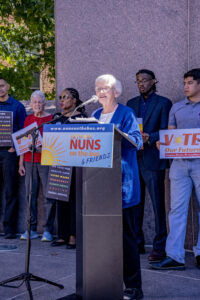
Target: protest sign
(6, 128)
(23, 140)
(180, 143)
(83, 145)
(59, 181)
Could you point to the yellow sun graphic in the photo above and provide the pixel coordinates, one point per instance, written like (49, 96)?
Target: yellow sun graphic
(52, 152)
(178, 140)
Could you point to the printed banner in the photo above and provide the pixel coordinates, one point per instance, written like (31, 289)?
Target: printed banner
(80, 145)
(59, 182)
(180, 143)
(140, 123)
(6, 128)
(23, 140)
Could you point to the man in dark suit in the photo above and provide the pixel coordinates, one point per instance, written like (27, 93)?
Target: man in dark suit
(154, 111)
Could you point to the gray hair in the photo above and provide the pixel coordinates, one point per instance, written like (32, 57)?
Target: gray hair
(38, 93)
(111, 81)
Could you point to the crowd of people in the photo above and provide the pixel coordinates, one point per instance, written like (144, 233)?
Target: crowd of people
(141, 169)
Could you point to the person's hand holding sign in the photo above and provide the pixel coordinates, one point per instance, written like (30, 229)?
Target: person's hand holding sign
(158, 143)
(145, 137)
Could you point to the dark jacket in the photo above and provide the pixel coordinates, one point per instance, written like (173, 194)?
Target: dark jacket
(156, 118)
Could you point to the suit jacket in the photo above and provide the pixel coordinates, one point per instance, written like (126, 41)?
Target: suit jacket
(156, 118)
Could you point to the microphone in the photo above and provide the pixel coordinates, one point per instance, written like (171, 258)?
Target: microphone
(93, 99)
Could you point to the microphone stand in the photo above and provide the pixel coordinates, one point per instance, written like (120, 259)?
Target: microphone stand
(93, 99)
(27, 276)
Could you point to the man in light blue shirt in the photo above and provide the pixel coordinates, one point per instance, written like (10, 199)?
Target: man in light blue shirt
(184, 175)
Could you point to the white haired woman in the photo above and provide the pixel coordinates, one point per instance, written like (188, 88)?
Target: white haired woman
(40, 173)
(108, 88)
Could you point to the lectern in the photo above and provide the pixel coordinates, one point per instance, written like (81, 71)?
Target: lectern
(99, 255)
(99, 231)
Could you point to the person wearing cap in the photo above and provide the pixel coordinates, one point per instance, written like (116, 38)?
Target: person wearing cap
(153, 109)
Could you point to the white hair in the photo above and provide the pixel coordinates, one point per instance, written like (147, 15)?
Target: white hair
(111, 81)
(38, 93)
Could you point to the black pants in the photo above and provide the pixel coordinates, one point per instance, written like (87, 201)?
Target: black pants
(131, 258)
(154, 181)
(9, 180)
(66, 213)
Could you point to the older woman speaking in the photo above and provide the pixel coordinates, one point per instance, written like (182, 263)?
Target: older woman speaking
(108, 88)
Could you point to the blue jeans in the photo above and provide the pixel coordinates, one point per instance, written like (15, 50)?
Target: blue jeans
(155, 183)
(40, 174)
(184, 174)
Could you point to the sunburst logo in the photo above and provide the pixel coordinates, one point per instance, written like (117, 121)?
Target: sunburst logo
(178, 140)
(52, 152)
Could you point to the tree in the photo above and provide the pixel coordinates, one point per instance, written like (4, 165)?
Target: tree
(26, 43)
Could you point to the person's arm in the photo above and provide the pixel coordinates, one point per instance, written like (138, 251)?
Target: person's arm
(131, 128)
(22, 170)
(145, 137)
(171, 125)
(164, 116)
(20, 118)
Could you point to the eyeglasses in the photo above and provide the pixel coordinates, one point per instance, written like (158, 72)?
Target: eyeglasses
(64, 97)
(142, 81)
(104, 89)
(37, 102)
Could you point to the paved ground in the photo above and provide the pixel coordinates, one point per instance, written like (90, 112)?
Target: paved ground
(58, 264)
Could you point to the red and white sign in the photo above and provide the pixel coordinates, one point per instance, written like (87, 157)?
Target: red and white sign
(180, 143)
(23, 140)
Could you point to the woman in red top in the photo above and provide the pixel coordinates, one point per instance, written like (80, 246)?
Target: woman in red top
(40, 173)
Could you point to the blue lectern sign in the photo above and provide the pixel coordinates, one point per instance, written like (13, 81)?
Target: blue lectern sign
(79, 145)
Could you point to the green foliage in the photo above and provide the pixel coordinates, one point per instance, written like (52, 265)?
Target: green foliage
(26, 43)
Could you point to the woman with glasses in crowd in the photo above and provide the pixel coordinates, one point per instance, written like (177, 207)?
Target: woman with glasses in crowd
(40, 173)
(66, 211)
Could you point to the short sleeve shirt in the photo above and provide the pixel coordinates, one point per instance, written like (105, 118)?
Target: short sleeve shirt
(185, 114)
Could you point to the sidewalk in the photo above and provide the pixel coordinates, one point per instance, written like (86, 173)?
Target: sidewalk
(58, 264)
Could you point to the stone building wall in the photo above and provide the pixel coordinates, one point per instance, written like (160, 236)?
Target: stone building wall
(120, 37)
